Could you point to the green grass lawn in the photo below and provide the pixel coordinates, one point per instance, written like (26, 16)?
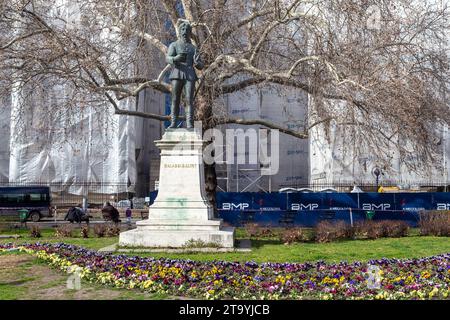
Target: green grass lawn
(272, 250)
(23, 276)
(48, 235)
(352, 250)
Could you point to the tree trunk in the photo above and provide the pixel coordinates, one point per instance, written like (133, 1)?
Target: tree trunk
(204, 113)
(211, 185)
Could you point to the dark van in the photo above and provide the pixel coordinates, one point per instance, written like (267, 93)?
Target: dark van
(36, 200)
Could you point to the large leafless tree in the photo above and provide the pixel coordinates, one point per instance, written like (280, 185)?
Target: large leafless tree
(378, 67)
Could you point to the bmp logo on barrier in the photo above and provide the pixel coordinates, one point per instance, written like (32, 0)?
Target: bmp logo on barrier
(373, 206)
(443, 206)
(233, 206)
(301, 206)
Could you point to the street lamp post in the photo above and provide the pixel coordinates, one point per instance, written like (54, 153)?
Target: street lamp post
(377, 173)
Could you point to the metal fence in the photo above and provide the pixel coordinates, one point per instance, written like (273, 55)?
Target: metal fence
(97, 193)
(69, 194)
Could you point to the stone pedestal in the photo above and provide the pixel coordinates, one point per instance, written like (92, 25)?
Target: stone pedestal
(180, 212)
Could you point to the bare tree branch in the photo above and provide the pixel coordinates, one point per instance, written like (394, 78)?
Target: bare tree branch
(395, 78)
(170, 7)
(268, 124)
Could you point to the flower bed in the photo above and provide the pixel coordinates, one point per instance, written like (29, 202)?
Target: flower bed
(424, 278)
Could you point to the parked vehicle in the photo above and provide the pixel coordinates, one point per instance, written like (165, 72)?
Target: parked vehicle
(123, 204)
(35, 200)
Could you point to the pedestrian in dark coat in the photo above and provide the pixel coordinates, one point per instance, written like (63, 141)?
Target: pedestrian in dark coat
(128, 214)
(76, 214)
(110, 213)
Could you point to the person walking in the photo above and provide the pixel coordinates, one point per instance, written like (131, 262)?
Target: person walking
(128, 214)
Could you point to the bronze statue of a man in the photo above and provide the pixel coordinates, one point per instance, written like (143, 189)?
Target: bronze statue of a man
(183, 56)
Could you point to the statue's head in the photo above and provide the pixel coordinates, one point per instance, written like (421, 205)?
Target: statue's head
(184, 29)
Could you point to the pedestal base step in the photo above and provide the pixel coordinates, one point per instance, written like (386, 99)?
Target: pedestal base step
(142, 237)
(152, 224)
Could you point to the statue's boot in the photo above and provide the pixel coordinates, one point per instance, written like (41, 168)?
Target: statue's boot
(173, 118)
(189, 118)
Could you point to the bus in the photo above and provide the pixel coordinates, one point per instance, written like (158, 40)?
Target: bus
(36, 200)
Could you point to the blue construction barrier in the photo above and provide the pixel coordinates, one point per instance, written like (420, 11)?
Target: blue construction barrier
(308, 209)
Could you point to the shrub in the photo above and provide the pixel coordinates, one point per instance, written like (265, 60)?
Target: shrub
(35, 232)
(291, 235)
(348, 232)
(394, 229)
(360, 228)
(328, 231)
(85, 232)
(435, 223)
(198, 243)
(379, 229)
(65, 231)
(100, 230)
(374, 229)
(266, 232)
(112, 231)
(370, 229)
(252, 230)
